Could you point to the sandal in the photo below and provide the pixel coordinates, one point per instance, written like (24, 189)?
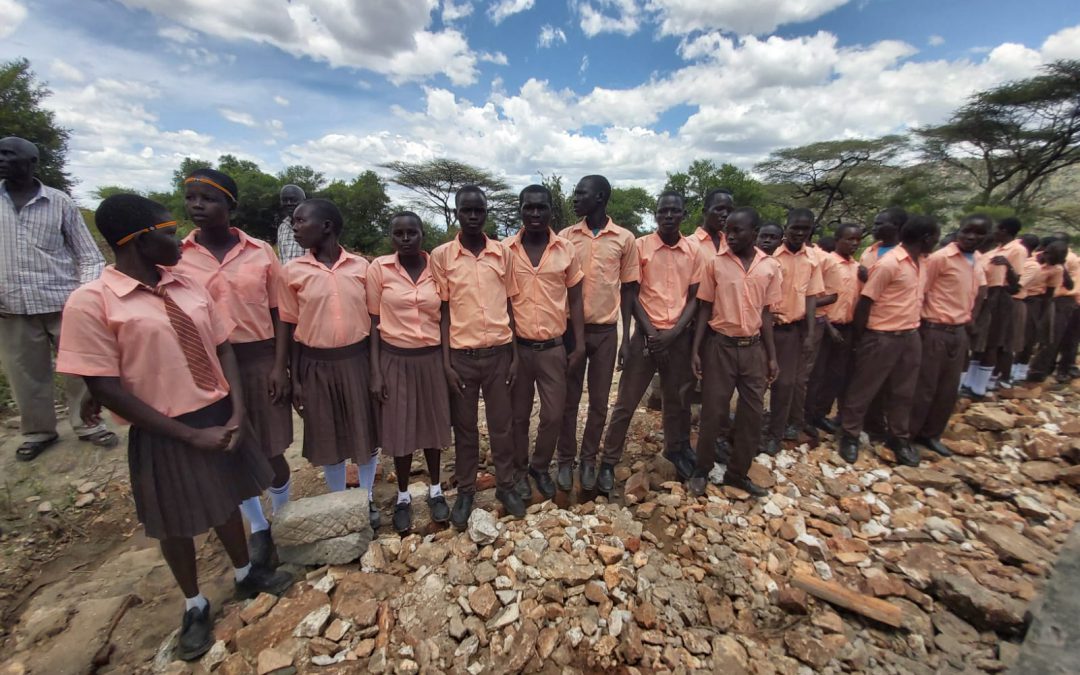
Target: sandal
(103, 439)
(29, 450)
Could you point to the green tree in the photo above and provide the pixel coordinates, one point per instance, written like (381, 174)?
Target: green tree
(305, 177)
(629, 207)
(704, 175)
(22, 115)
(365, 206)
(435, 181)
(562, 206)
(106, 191)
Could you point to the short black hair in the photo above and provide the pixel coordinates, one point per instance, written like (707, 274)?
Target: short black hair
(796, 213)
(895, 215)
(407, 214)
(979, 215)
(601, 183)
(839, 231)
(671, 193)
(1043, 243)
(324, 209)
(713, 194)
(827, 243)
(469, 189)
(755, 217)
(222, 179)
(123, 214)
(1011, 225)
(768, 223)
(1030, 241)
(918, 227)
(535, 189)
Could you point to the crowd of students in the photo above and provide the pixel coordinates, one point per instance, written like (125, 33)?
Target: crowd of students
(204, 344)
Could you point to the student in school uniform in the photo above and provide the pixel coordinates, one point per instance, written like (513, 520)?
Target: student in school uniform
(609, 260)
(794, 328)
(885, 332)
(1020, 355)
(1045, 288)
(323, 304)
(408, 379)
(769, 237)
(153, 348)
(473, 276)
(664, 308)
(243, 276)
(954, 284)
(832, 368)
(1059, 357)
(886, 234)
(716, 207)
(548, 278)
(733, 350)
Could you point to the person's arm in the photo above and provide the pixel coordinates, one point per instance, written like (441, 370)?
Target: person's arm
(231, 370)
(826, 300)
(770, 345)
(279, 376)
(377, 386)
(628, 292)
(1066, 279)
(452, 378)
(862, 315)
(980, 298)
(512, 373)
(811, 321)
(577, 324)
(80, 242)
(293, 349)
(704, 312)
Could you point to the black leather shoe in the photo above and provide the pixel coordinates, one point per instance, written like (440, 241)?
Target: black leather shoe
(440, 511)
(826, 425)
(261, 548)
(684, 465)
(588, 477)
(524, 490)
(966, 392)
(688, 450)
(791, 433)
(402, 519)
(459, 516)
(374, 517)
(511, 501)
(565, 477)
(812, 433)
(723, 451)
(196, 634)
(696, 486)
(936, 445)
(544, 485)
(771, 447)
(263, 580)
(849, 448)
(744, 483)
(906, 453)
(605, 480)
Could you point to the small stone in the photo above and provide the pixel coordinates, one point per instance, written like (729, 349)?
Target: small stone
(235, 664)
(947, 528)
(256, 608)
(807, 649)
(793, 600)
(270, 660)
(45, 507)
(84, 500)
(636, 488)
(609, 554)
(88, 486)
(484, 602)
(984, 608)
(407, 667)
(507, 616)
(986, 417)
(595, 592)
(312, 624)
(645, 614)
(364, 648)
(483, 527)
(215, 657)
(1011, 546)
(337, 630)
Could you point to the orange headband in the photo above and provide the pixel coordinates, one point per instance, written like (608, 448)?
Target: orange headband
(202, 179)
(160, 226)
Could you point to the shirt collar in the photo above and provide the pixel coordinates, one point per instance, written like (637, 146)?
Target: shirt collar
(245, 240)
(584, 227)
(309, 259)
(783, 249)
(490, 246)
(41, 193)
(122, 284)
(656, 242)
(392, 260)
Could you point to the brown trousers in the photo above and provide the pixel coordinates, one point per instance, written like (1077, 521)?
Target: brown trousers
(545, 372)
(789, 340)
(888, 362)
(727, 368)
(1060, 347)
(797, 416)
(830, 375)
(487, 374)
(676, 380)
(944, 354)
(1038, 320)
(601, 349)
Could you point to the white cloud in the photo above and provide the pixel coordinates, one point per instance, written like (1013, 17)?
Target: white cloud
(584, 65)
(550, 35)
(1064, 44)
(678, 17)
(498, 58)
(11, 15)
(935, 41)
(499, 11)
(237, 117)
(609, 16)
(452, 11)
(178, 34)
(65, 71)
(281, 101)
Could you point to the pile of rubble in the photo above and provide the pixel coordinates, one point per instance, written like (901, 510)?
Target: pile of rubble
(865, 568)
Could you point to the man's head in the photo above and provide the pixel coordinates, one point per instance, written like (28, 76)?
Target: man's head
(591, 195)
(742, 229)
(18, 158)
(1006, 230)
(470, 205)
(887, 225)
(800, 224)
(848, 236)
(973, 230)
(290, 197)
(670, 211)
(716, 208)
(920, 233)
(535, 205)
(769, 237)
(315, 220)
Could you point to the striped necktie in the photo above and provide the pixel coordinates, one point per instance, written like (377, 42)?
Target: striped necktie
(198, 362)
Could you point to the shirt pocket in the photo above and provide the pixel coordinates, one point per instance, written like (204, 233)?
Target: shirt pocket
(46, 236)
(249, 285)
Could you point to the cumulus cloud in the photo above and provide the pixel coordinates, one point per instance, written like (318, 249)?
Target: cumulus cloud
(452, 11)
(281, 101)
(609, 16)
(237, 117)
(11, 15)
(66, 71)
(550, 35)
(678, 17)
(502, 9)
(935, 40)
(1063, 45)
(178, 34)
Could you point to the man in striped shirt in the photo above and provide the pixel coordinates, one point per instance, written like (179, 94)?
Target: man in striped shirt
(287, 248)
(46, 252)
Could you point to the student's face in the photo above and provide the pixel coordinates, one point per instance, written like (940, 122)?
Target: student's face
(406, 236)
(848, 241)
(741, 234)
(798, 231)
(884, 229)
(160, 247)
(14, 162)
(206, 205)
(307, 229)
(717, 214)
(472, 213)
(970, 235)
(587, 198)
(768, 238)
(290, 199)
(535, 212)
(669, 215)
(1001, 235)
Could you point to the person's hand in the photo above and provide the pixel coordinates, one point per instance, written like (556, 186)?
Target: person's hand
(214, 439)
(90, 410)
(298, 397)
(864, 274)
(695, 364)
(624, 355)
(511, 373)
(773, 371)
(833, 333)
(999, 260)
(660, 340)
(574, 358)
(236, 423)
(377, 388)
(279, 386)
(454, 381)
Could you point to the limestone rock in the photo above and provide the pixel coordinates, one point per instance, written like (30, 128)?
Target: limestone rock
(983, 608)
(483, 527)
(987, 417)
(333, 551)
(327, 516)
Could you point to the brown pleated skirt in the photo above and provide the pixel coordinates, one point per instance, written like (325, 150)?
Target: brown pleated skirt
(180, 491)
(999, 333)
(1019, 325)
(337, 404)
(417, 414)
(272, 423)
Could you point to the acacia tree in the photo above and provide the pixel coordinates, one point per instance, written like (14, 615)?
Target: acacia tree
(1011, 139)
(435, 182)
(22, 115)
(704, 175)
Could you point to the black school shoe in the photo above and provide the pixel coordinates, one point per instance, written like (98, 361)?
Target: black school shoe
(463, 505)
(511, 501)
(524, 489)
(826, 425)
(374, 517)
(745, 484)
(196, 634)
(565, 477)
(906, 453)
(696, 486)
(402, 519)
(936, 445)
(605, 480)
(771, 447)
(849, 448)
(684, 461)
(588, 477)
(440, 511)
(261, 548)
(544, 485)
(263, 580)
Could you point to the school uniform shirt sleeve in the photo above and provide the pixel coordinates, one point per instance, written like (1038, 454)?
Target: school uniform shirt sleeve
(631, 262)
(273, 277)
(373, 285)
(881, 275)
(980, 272)
(697, 266)
(706, 291)
(438, 272)
(288, 303)
(775, 290)
(509, 278)
(88, 347)
(817, 280)
(574, 273)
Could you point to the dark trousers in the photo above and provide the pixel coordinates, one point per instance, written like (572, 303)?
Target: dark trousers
(487, 374)
(601, 348)
(1069, 341)
(676, 379)
(831, 373)
(789, 340)
(944, 353)
(543, 371)
(1038, 317)
(883, 361)
(727, 368)
(1056, 348)
(797, 416)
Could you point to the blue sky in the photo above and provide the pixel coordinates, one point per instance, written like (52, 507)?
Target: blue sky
(629, 88)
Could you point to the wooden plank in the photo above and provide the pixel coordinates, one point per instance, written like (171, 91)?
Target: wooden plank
(842, 596)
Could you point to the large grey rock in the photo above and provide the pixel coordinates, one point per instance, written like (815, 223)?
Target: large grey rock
(335, 551)
(983, 608)
(313, 519)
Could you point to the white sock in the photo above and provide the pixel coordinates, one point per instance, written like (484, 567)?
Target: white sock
(279, 496)
(240, 573)
(435, 490)
(334, 475)
(367, 471)
(404, 497)
(198, 602)
(1023, 373)
(965, 380)
(253, 511)
(981, 379)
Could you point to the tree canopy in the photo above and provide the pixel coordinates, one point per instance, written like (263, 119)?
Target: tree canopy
(22, 115)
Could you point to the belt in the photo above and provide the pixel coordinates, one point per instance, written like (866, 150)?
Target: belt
(334, 353)
(947, 327)
(748, 341)
(599, 327)
(408, 351)
(483, 352)
(894, 333)
(791, 325)
(540, 345)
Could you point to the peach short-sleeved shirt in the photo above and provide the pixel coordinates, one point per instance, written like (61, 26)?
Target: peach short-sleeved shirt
(476, 288)
(1072, 265)
(951, 282)
(327, 305)
(841, 276)
(244, 284)
(738, 294)
(895, 287)
(873, 253)
(1039, 277)
(666, 274)
(408, 310)
(801, 278)
(702, 238)
(1027, 275)
(1014, 251)
(114, 327)
(541, 298)
(609, 260)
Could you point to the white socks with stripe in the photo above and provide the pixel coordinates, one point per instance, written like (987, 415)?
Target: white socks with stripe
(435, 490)
(240, 573)
(334, 475)
(253, 511)
(279, 496)
(404, 497)
(980, 379)
(198, 602)
(367, 472)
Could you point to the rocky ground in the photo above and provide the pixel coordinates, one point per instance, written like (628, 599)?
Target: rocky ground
(870, 568)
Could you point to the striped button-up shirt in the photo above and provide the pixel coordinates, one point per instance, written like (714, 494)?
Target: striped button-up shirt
(46, 252)
(287, 248)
